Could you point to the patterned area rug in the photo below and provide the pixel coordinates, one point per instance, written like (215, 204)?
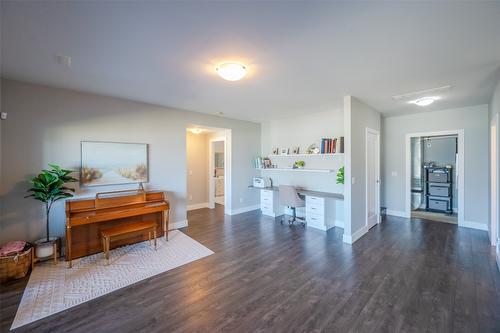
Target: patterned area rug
(54, 288)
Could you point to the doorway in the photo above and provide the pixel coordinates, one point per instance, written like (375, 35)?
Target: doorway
(208, 154)
(372, 177)
(218, 148)
(434, 176)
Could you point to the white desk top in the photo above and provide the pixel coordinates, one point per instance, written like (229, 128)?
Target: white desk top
(305, 192)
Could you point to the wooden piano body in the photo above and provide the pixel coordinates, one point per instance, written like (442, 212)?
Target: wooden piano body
(85, 218)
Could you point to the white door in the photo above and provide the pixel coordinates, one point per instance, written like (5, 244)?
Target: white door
(372, 178)
(493, 181)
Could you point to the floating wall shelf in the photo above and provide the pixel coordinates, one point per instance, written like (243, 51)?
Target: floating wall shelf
(303, 155)
(297, 170)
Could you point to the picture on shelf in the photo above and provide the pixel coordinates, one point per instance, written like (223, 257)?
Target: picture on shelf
(296, 150)
(284, 151)
(276, 151)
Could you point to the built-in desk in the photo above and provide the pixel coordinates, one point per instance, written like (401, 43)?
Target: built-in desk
(320, 212)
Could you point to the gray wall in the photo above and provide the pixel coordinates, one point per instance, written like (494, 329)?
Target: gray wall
(47, 124)
(473, 120)
(358, 116)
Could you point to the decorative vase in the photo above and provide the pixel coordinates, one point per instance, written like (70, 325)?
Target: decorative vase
(44, 249)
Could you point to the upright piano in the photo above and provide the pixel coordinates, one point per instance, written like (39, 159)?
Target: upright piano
(85, 218)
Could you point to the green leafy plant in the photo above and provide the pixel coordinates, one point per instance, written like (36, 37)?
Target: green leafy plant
(340, 176)
(48, 187)
(299, 164)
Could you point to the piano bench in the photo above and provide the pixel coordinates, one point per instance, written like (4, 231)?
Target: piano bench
(125, 231)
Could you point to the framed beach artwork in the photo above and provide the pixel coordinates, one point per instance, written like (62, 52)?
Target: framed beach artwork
(113, 163)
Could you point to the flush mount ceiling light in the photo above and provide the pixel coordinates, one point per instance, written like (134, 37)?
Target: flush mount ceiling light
(196, 130)
(424, 101)
(419, 94)
(231, 71)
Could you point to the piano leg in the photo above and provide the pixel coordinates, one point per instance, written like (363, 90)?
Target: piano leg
(165, 215)
(68, 246)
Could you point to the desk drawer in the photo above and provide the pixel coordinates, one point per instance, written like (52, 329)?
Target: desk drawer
(266, 207)
(315, 208)
(266, 194)
(315, 219)
(315, 200)
(266, 201)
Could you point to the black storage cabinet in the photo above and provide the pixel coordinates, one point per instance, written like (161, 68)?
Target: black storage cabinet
(439, 189)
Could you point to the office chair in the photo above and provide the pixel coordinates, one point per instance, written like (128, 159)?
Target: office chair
(289, 197)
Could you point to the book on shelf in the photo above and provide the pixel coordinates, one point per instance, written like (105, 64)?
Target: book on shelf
(332, 145)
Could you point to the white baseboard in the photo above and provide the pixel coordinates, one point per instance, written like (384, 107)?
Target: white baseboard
(498, 259)
(177, 225)
(349, 239)
(473, 225)
(197, 206)
(395, 213)
(243, 210)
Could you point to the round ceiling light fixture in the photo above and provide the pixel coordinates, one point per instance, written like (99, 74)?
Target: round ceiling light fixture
(231, 71)
(196, 130)
(424, 101)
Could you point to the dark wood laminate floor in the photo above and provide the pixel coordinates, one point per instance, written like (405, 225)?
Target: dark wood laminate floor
(403, 276)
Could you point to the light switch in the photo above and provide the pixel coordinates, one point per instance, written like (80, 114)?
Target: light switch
(394, 173)
(353, 180)
(190, 172)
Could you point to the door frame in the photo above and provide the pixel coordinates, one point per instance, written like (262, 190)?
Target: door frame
(222, 135)
(377, 166)
(459, 169)
(493, 229)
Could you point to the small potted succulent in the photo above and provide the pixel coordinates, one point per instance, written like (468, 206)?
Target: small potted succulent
(48, 187)
(299, 164)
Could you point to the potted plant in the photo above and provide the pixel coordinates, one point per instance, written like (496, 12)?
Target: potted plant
(340, 176)
(48, 187)
(299, 164)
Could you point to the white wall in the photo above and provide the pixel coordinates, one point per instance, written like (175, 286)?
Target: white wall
(357, 118)
(474, 121)
(197, 169)
(47, 124)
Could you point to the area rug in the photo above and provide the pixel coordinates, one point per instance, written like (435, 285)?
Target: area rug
(54, 288)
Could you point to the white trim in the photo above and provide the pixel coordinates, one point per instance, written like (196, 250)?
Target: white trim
(460, 169)
(339, 224)
(347, 165)
(474, 225)
(349, 239)
(395, 213)
(226, 136)
(197, 206)
(243, 210)
(377, 166)
(498, 260)
(492, 230)
(177, 225)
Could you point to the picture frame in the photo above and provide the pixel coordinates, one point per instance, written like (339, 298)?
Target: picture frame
(284, 151)
(296, 150)
(113, 163)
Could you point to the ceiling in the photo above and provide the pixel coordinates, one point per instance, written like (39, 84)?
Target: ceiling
(302, 56)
